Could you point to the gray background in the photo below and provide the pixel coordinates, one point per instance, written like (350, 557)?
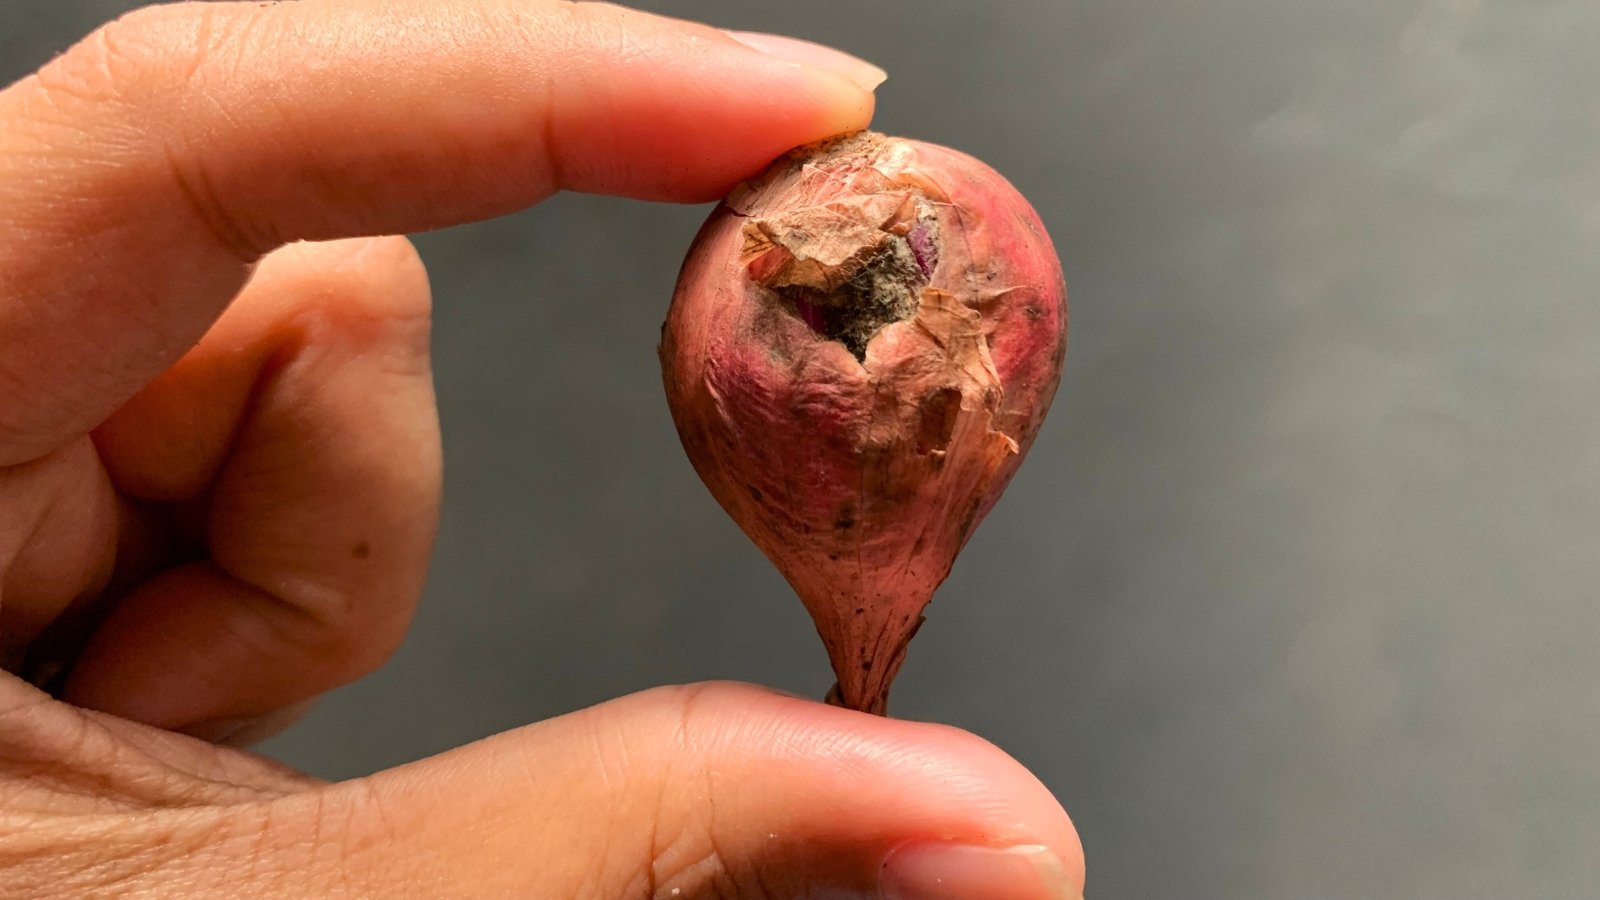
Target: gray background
(1295, 597)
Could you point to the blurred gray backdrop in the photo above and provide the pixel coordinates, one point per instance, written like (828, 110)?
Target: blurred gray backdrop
(1297, 595)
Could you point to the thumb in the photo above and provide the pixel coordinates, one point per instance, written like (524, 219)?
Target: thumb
(713, 791)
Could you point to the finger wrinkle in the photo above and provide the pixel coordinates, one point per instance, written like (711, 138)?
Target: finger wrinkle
(55, 759)
(103, 855)
(326, 612)
(535, 31)
(701, 736)
(219, 52)
(128, 93)
(204, 202)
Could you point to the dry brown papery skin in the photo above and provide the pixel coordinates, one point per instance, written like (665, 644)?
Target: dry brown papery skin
(862, 346)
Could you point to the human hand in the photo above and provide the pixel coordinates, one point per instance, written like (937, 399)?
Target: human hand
(219, 474)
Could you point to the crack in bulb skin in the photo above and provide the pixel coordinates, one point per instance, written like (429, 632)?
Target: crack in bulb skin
(861, 348)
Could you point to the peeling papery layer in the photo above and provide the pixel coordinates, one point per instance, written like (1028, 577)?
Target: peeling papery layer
(846, 268)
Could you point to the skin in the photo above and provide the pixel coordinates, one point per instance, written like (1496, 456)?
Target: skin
(219, 471)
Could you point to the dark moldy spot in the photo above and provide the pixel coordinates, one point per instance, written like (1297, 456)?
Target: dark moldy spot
(833, 557)
(849, 301)
(755, 492)
(846, 520)
(885, 290)
(770, 327)
(866, 665)
(362, 550)
(860, 610)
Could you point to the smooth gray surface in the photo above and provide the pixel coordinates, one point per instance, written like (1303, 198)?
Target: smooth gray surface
(1296, 597)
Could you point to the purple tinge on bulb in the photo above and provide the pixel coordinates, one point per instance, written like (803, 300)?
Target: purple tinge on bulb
(922, 247)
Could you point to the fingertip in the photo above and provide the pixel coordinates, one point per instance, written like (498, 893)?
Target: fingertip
(689, 110)
(379, 277)
(875, 784)
(941, 782)
(838, 89)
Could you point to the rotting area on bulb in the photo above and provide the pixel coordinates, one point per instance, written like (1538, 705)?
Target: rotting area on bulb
(850, 267)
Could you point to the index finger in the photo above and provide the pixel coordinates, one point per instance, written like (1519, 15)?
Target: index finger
(143, 172)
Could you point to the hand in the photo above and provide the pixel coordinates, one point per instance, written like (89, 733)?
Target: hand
(219, 474)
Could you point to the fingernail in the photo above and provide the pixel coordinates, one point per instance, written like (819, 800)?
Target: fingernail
(817, 56)
(936, 871)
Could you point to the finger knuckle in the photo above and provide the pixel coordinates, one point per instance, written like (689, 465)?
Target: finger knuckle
(136, 85)
(368, 291)
(690, 854)
(394, 278)
(349, 633)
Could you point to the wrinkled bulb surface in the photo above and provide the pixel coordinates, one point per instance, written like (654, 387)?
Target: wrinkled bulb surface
(863, 343)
